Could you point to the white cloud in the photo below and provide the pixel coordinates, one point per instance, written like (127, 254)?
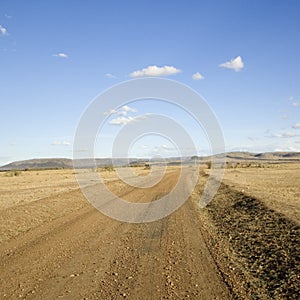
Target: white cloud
(236, 64)
(126, 120)
(61, 55)
(123, 111)
(121, 120)
(61, 143)
(128, 108)
(287, 134)
(197, 76)
(3, 30)
(287, 149)
(296, 126)
(155, 71)
(163, 150)
(109, 75)
(7, 16)
(166, 147)
(291, 98)
(296, 104)
(110, 112)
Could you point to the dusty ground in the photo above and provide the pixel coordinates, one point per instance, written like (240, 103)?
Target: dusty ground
(253, 225)
(82, 254)
(30, 186)
(55, 245)
(278, 185)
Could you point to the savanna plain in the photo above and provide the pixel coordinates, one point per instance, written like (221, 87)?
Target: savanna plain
(243, 245)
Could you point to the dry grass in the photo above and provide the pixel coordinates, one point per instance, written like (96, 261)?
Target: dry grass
(30, 186)
(278, 186)
(255, 241)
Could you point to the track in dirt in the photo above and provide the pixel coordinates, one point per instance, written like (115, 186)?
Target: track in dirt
(86, 255)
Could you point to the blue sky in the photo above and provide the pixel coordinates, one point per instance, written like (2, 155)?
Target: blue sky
(56, 56)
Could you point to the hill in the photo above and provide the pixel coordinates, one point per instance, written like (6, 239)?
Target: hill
(65, 163)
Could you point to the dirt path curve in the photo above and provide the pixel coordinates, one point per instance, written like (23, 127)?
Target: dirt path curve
(86, 255)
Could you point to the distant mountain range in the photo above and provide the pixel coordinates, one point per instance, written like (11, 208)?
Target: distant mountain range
(234, 156)
(65, 163)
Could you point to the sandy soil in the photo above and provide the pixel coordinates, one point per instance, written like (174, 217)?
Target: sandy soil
(85, 255)
(54, 244)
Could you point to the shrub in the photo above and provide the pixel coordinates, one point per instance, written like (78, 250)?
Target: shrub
(147, 167)
(109, 168)
(13, 173)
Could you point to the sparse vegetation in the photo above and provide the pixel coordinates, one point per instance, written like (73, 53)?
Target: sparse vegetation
(250, 226)
(262, 245)
(13, 173)
(147, 167)
(109, 168)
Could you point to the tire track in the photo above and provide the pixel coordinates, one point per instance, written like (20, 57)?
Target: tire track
(86, 255)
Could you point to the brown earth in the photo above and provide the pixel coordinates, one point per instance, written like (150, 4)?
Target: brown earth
(86, 255)
(58, 246)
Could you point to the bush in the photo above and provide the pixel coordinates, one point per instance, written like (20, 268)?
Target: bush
(109, 168)
(147, 167)
(208, 165)
(13, 173)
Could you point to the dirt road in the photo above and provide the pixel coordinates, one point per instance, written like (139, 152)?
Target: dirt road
(86, 255)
